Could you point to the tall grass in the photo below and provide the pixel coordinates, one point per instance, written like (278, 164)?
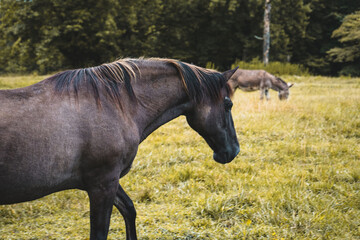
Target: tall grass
(276, 68)
(297, 176)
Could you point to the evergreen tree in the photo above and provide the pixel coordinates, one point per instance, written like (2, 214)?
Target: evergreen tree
(289, 20)
(50, 35)
(16, 51)
(324, 18)
(349, 35)
(47, 35)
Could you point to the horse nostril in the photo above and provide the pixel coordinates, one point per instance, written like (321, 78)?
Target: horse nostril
(226, 156)
(237, 151)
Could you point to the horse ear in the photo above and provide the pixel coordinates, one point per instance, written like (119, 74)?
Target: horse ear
(290, 85)
(227, 74)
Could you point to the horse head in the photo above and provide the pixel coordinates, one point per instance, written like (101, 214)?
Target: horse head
(213, 121)
(284, 91)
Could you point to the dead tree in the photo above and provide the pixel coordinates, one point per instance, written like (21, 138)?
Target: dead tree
(266, 47)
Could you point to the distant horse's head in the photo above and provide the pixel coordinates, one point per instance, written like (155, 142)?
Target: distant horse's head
(211, 118)
(284, 91)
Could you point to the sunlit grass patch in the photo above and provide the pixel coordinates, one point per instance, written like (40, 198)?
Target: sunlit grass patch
(8, 82)
(297, 176)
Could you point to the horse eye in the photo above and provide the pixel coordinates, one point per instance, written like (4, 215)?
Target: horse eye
(228, 104)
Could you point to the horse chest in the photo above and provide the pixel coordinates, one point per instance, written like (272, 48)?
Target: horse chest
(113, 148)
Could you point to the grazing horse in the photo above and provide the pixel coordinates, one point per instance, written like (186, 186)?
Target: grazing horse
(252, 80)
(80, 129)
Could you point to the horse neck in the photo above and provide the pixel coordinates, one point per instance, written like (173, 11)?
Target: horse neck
(160, 98)
(276, 84)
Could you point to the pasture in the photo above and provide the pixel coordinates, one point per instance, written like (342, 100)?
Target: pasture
(297, 175)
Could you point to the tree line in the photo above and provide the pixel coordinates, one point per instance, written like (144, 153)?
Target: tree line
(49, 35)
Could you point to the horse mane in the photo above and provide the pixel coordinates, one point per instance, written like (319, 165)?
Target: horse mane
(280, 80)
(198, 82)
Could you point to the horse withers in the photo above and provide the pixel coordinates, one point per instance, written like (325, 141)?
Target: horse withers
(253, 80)
(80, 129)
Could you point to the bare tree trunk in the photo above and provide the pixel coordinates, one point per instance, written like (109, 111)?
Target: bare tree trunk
(266, 48)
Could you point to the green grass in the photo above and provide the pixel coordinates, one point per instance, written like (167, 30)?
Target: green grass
(276, 68)
(297, 175)
(8, 82)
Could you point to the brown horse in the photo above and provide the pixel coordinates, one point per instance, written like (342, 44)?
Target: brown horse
(80, 129)
(252, 80)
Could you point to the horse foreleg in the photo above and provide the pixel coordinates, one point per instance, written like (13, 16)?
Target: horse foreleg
(262, 93)
(101, 202)
(126, 207)
(267, 95)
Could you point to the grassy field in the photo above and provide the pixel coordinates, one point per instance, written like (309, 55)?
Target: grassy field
(297, 175)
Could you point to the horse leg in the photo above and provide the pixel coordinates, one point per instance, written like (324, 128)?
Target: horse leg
(262, 92)
(267, 95)
(101, 202)
(126, 207)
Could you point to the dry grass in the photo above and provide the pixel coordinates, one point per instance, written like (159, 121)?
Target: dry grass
(297, 176)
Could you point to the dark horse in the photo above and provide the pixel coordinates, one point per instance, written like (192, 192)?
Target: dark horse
(80, 129)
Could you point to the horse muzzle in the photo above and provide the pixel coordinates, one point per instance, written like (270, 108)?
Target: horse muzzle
(226, 156)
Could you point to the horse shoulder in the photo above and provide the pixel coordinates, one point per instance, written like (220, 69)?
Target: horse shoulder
(112, 142)
(266, 79)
